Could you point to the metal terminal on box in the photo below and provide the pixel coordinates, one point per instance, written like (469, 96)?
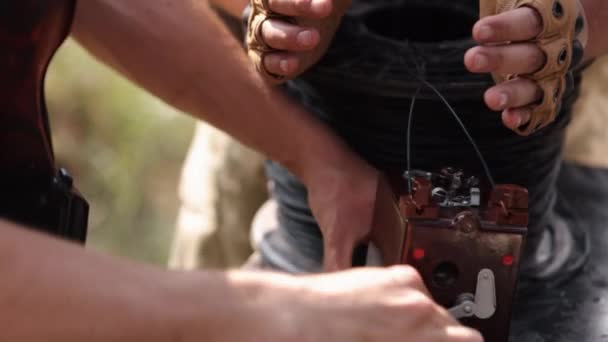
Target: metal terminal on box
(452, 190)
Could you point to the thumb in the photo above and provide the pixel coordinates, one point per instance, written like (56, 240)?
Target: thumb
(337, 253)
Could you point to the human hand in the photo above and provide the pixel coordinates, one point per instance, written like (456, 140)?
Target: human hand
(359, 305)
(353, 203)
(528, 51)
(286, 37)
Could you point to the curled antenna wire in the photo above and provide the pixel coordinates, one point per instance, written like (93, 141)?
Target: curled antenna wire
(408, 136)
(458, 120)
(420, 72)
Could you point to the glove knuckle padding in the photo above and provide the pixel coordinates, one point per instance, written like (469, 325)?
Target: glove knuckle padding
(556, 40)
(256, 46)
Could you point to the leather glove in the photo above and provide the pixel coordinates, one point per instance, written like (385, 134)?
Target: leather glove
(562, 39)
(259, 11)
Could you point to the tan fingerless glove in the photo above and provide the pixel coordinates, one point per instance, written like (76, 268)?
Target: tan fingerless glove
(562, 37)
(257, 48)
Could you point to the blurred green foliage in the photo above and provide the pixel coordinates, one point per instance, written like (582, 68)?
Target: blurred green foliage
(124, 148)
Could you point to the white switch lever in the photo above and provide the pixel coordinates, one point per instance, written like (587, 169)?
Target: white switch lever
(483, 304)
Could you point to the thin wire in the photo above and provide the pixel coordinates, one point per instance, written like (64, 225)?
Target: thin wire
(460, 123)
(409, 135)
(421, 70)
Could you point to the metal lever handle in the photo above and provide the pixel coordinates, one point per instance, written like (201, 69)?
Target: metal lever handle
(465, 309)
(481, 305)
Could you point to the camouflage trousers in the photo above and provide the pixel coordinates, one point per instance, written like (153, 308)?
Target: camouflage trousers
(222, 187)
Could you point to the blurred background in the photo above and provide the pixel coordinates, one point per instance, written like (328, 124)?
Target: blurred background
(125, 150)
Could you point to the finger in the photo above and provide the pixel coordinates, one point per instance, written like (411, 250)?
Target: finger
(284, 36)
(282, 63)
(506, 59)
(337, 254)
(405, 276)
(516, 117)
(514, 93)
(459, 333)
(302, 8)
(447, 328)
(517, 25)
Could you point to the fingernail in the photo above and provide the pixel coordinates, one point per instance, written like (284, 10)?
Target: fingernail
(320, 6)
(485, 33)
(504, 99)
(518, 121)
(304, 38)
(481, 62)
(284, 66)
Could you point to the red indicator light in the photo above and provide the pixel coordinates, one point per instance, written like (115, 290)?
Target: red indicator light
(418, 254)
(508, 260)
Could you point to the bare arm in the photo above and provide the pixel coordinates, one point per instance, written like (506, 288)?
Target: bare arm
(178, 51)
(232, 7)
(53, 291)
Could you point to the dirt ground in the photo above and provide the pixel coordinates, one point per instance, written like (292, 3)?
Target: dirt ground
(587, 140)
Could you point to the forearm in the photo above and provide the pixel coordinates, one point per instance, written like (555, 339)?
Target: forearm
(178, 51)
(53, 291)
(597, 18)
